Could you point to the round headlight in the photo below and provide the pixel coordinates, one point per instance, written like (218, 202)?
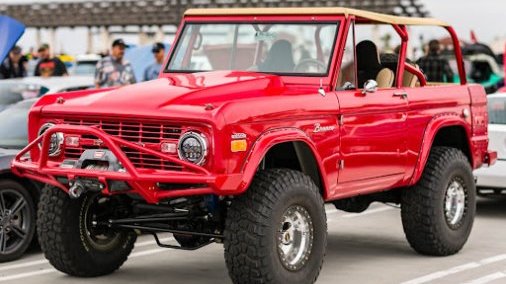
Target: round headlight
(192, 147)
(56, 141)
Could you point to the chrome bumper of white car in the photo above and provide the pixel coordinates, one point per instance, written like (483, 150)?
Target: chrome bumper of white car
(492, 180)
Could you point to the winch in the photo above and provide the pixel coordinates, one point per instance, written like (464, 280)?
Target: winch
(94, 160)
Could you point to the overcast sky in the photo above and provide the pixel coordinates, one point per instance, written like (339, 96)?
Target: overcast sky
(486, 17)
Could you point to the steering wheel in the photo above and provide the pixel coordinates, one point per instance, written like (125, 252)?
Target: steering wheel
(305, 64)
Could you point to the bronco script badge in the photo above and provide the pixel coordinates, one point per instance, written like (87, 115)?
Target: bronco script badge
(319, 128)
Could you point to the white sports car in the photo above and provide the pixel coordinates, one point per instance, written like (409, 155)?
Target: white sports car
(16, 90)
(492, 180)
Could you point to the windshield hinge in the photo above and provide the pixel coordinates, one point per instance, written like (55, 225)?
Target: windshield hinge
(321, 91)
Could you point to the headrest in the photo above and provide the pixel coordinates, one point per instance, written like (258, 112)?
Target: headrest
(279, 58)
(367, 55)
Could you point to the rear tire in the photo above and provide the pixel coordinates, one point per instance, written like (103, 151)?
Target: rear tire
(276, 232)
(17, 223)
(69, 240)
(438, 212)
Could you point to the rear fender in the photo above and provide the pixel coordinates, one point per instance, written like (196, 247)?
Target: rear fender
(269, 139)
(435, 125)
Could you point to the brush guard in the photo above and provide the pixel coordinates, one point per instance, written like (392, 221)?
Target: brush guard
(142, 181)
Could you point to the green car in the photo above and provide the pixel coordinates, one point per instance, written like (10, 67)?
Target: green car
(482, 69)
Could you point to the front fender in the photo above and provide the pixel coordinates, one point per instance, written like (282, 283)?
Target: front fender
(435, 125)
(266, 141)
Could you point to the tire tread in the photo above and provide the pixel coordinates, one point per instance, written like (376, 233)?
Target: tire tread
(418, 204)
(62, 251)
(245, 254)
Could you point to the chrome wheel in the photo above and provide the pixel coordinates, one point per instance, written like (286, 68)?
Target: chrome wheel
(455, 203)
(295, 238)
(15, 220)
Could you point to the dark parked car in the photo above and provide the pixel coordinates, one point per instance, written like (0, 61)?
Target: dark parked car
(18, 196)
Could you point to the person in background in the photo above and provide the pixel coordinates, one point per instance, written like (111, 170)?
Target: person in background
(434, 66)
(32, 54)
(49, 66)
(14, 66)
(153, 70)
(114, 70)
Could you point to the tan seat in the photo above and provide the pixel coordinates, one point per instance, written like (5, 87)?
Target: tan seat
(385, 78)
(409, 79)
(369, 66)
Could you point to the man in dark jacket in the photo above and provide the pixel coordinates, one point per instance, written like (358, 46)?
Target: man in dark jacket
(49, 66)
(14, 66)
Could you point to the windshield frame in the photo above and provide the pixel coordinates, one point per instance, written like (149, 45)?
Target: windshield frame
(306, 78)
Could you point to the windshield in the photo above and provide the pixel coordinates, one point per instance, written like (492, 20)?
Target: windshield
(289, 49)
(497, 110)
(14, 125)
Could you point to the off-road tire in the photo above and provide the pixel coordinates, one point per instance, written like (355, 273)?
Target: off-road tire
(423, 205)
(8, 184)
(63, 241)
(252, 223)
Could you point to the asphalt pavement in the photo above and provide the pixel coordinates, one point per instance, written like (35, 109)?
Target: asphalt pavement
(362, 248)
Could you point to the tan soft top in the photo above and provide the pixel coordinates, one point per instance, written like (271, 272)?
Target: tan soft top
(374, 17)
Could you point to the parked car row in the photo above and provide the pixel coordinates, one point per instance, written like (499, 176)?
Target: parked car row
(19, 196)
(492, 180)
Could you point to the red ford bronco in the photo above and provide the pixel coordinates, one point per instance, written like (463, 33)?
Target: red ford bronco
(259, 118)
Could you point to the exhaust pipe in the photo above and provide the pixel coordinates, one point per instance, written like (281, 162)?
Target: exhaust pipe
(76, 190)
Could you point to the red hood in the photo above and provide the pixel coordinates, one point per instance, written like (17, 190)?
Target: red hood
(175, 93)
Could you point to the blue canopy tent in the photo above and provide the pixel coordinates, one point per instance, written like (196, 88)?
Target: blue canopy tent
(10, 32)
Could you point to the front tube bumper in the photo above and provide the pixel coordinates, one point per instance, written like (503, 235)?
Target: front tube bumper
(142, 182)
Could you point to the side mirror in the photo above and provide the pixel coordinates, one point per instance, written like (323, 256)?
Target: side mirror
(370, 86)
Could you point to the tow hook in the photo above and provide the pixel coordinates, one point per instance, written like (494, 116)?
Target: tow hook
(76, 190)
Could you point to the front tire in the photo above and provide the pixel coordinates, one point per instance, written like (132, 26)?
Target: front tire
(17, 220)
(71, 242)
(438, 212)
(277, 231)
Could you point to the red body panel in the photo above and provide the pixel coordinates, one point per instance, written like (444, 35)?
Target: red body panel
(373, 141)
(361, 143)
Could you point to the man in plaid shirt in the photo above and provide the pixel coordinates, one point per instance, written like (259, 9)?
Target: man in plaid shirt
(114, 70)
(435, 67)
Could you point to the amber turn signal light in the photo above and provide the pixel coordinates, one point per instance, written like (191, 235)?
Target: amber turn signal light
(238, 145)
